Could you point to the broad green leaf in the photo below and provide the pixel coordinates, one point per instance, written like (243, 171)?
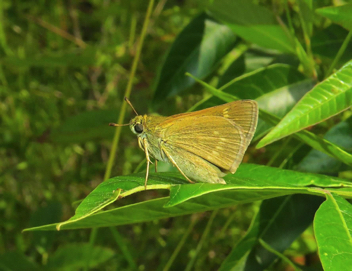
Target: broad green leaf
(197, 49)
(90, 125)
(325, 100)
(278, 222)
(250, 176)
(254, 84)
(255, 60)
(252, 22)
(250, 183)
(318, 162)
(333, 232)
(339, 15)
(305, 136)
(79, 256)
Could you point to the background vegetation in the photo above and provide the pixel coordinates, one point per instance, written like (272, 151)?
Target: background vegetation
(64, 69)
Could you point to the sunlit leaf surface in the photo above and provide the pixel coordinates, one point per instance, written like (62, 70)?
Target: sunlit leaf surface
(325, 100)
(333, 231)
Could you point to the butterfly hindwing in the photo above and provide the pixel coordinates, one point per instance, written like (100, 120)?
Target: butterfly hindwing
(215, 139)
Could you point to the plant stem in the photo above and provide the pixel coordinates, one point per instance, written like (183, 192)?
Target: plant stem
(339, 53)
(124, 248)
(282, 148)
(181, 243)
(116, 139)
(202, 240)
(280, 255)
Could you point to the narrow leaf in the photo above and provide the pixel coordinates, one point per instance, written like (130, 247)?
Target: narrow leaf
(318, 162)
(325, 100)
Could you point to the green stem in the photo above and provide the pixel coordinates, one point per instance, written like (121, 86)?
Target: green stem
(282, 148)
(92, 238)
(123, 247)
(227, 223)
(202, 240)
(289, 19)
(116, 139)
(280, 255)
(181, 243)
(305, 29)
(289, 156)
(339, 53)
(132, 31)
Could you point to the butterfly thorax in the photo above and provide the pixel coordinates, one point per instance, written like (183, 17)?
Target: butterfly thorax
(148, 131)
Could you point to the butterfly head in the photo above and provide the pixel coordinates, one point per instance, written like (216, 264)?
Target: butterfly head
(137, 125)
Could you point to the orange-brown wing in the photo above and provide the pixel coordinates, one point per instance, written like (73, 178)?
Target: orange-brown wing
(244, 113)
(218, 140)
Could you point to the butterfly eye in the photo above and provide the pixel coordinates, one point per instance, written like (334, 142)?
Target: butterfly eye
(138, 128)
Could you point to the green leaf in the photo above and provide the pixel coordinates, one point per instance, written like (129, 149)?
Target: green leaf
(325, 146)
(90, 125)
(77, 256)
(277, 78)
(318, 162)
(325, 100)
(339, 15)
(250, 183)
(333, 228)
(197, 49)
(259, 82)
(328, 41)
(252, 22)
(279, 101)
(235, 69)
(278, 222)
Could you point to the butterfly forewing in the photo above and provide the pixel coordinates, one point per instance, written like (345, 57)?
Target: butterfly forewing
(216, 139)
(244, 113)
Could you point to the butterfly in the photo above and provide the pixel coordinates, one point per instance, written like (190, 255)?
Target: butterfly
(203, 145)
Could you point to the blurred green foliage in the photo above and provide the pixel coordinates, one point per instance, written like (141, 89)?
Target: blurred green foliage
(64, 66)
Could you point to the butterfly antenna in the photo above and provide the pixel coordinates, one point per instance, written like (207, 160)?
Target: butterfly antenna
(128, 101)
(117, 125)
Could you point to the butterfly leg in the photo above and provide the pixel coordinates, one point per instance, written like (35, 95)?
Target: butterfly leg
(140, 143)
(156, 165)
(145, 144)
(174, 163)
